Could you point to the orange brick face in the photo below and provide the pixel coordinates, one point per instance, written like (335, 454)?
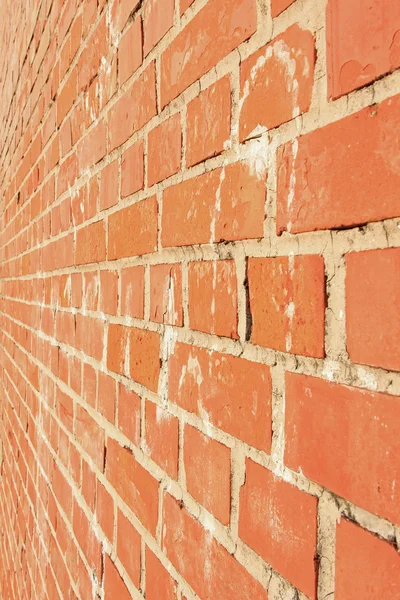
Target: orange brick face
(199, 299)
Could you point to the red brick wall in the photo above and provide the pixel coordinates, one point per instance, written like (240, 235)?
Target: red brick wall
(199, 299)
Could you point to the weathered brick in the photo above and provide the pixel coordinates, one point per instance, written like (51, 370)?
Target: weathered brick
(372, 307)
(335, 435)
(287, 303)
(214, 32)
(276, 82)
(166, 294)
(351, 158)
(164, 150)
(231, 393)
(222, 205)
(213, 304)
(362, 42)
(132, 231)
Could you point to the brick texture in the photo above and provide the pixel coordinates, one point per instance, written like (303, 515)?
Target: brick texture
(199, 299)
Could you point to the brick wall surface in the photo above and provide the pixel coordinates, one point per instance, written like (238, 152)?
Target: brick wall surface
(199, 299)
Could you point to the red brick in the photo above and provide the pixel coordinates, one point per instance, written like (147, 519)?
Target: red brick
(208, 473)
(278, 6)
(372, 307)
(129, 414)
(130, 50)
(90, 436)
(137, 488)
(90, 59)
(213, 301)
(114, 586)
(232, 393)
(67, 96)
(132, 292)
(132, 231)
(208, 122)
(363, 43)
(162, 438)
(158, 18)
(212, 34)
(109, 186)
(145, 357)
(355, 158)
(106, 396)
(117, 344)
(109, 292)
(86, 537)
(128, 548)
(276, 82)
(159, 583)
(89, 336)
(283, 527)
(164, 150)
(166, 294)
(121, 11)
(93, 147)
(105, 511)
(134, 109)
(91, 243)
(345, 439)
(222, 205)
(206, 565)
(287, 303)
(185, 5)
(132, 170)
(366, 566)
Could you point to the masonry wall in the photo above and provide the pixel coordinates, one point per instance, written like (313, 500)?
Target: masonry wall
(199, 299)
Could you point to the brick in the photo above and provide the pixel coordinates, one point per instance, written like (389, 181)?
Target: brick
(114, 586)
(132, 231)
(91, 243)
(287, 303)
(231, 393)
(109, 186)
(132, 170)
(128, 548)
(129, 406)
(362, 43)
(212, 34)
(213, 303)
(67, 96)
(132, 292)
(90, 435)
(162, 438)
(208, 122)
(159, 583)
(130, 50)
(121, 11)
(118, 349)
(372, 301)
(136, 487)
(345, 439)
(208, 473)
(145, 357)
(134, 109)
(90, 59)
(109, 292)
(185, 5)
(283, 529)
(106, 395)
(86, 537)
(93, 147)
(158, 18)
(164, 150)
(206, 565)
(278, 6)
(351, 158)
(276, 82)
(222, 205)
(105, 510)
(166, 294)
(89, 336)
(366, 566)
